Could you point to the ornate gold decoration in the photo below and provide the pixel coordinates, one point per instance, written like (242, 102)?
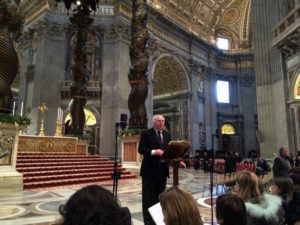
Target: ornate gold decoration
(169, 77)
(58, 129)
(227, 129)
(42, 108)
(47, 144)
(231, 15)
(204, 17)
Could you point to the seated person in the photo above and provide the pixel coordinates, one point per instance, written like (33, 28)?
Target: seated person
(262, 209)
(230, 210)
(94, 205)
(179, 207)
(293, 207)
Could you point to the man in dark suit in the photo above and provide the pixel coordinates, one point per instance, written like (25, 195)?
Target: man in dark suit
(154, 171)
(282, 166)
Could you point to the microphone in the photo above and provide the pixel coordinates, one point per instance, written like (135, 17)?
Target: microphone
(123, 121)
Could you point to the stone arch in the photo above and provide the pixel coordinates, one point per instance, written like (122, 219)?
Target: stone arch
(171, 88)
(228, 128)
(229, 137)
(169, 76)
(295, 91)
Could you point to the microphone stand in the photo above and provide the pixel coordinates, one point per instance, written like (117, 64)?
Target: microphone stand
(212, 179)
(117, 173)
(212, 173)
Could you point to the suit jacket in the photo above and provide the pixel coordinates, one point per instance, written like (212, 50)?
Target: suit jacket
(281, 167)
(152, 164)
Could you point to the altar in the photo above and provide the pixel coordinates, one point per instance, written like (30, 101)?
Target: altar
(52, 144)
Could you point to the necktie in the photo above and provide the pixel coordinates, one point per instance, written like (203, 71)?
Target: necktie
(159, 137)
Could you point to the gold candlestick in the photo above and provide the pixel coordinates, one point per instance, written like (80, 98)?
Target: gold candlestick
(58, 130)
(42, 108)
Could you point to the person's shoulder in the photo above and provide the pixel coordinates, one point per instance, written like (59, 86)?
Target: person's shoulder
(126, 216)
(147, 132)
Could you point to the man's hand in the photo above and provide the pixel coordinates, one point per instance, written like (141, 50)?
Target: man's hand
(159, 152)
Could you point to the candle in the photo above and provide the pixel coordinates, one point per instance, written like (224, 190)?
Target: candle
(14, 107)
(57, 118)
(61, 114)
(21, 113)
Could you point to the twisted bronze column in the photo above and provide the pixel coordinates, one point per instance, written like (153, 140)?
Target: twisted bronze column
(139, 65)
(10, 27)
(81, 20)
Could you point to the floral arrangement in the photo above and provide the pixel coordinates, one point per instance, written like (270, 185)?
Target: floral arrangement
(20, 120)
(130, 132)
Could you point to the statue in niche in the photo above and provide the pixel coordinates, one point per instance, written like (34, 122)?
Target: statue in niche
(32, 53)
(200, 84)
(10, 29)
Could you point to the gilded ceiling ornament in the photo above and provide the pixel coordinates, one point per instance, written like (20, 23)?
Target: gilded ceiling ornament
(231, 15)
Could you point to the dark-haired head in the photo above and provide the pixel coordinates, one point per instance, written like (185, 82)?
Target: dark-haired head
(91, 205)
(230, 210)
(284, 187)
(295, 178)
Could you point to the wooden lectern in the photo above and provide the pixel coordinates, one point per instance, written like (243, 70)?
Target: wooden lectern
(174, 153)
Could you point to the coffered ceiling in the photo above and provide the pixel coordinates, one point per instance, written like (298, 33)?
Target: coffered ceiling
(211, 18)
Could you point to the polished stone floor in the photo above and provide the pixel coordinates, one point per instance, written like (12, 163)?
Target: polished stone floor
(41, 206)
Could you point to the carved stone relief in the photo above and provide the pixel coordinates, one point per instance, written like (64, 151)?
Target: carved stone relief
(6, 147)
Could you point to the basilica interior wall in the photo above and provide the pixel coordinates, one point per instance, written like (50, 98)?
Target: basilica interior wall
(193, 109)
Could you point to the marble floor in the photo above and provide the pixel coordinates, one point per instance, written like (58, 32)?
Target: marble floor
(40, 207)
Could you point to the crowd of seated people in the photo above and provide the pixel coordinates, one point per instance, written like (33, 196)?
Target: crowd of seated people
(230, 210)
(179, 207)
(262, 208)
(94, 205)
(248, 204)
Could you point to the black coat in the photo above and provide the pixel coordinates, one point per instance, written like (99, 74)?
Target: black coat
(153, 164)
(292, 209)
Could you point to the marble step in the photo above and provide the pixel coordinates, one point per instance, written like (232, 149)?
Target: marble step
(55, 167)
(61, 163)
(69, 171)
(41, 170)
(25, 160)
(70, 176)
(63, 182)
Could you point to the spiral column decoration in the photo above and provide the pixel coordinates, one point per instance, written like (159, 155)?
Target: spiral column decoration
(10, 28)
(139, 65)
(81, 20)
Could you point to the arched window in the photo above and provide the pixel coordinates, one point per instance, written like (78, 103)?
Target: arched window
(223, 43)
(297, 88)
(90, 118)
(227, 129)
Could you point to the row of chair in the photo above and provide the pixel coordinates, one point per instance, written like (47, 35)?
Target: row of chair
(245, 166)
(225, 183)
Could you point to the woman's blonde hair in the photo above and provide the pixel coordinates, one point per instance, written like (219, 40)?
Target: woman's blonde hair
(179, 207)
(248, 186)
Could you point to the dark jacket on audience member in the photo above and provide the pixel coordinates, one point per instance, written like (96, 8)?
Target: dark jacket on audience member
(281, 167)
(265, 210)
(292, 209)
